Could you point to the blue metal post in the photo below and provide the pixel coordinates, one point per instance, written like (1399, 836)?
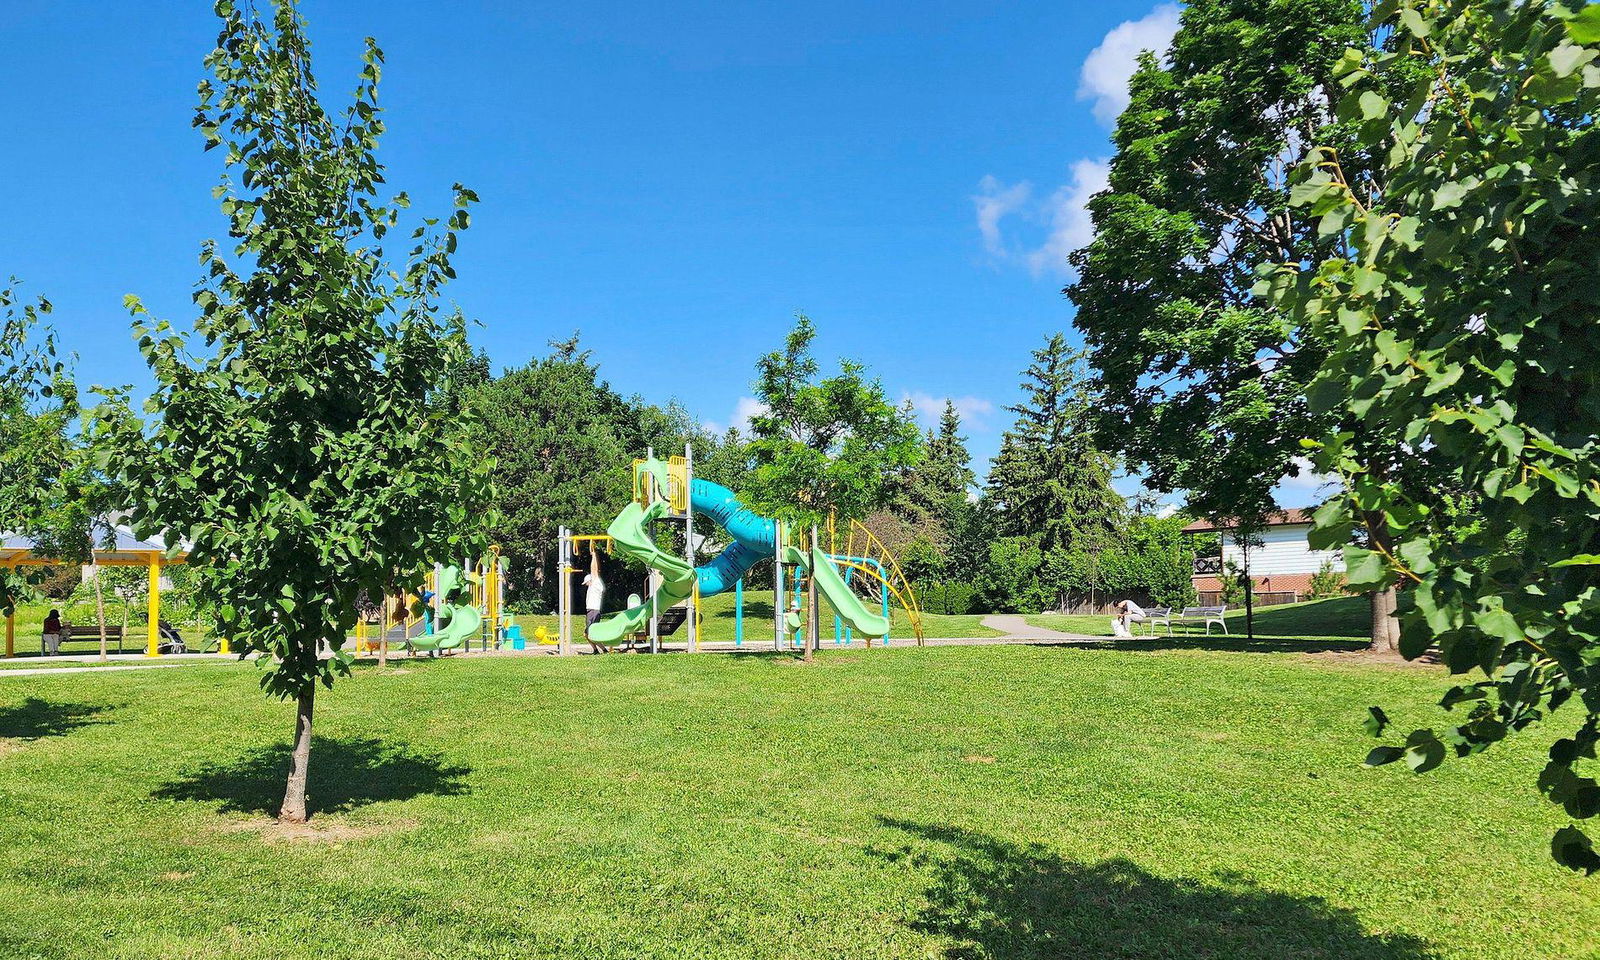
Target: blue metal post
(883, 589)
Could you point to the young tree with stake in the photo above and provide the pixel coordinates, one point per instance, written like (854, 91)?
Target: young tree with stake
(303, 438)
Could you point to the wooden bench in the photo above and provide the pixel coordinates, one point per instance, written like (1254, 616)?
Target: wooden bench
(90, 631)
(1206, 615)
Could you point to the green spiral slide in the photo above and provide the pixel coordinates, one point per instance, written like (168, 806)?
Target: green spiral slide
(753, 539)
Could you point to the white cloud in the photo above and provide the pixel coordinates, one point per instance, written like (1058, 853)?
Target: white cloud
(1107, 69)
(744, 409)
(994, 202)
(974, 411)
(1305, 489)
(1070, 224)
(1064, 217)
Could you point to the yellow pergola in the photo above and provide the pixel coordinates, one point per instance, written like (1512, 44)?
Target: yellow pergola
(124, 550)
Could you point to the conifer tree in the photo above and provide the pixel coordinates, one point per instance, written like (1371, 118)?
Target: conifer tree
(1050, 482)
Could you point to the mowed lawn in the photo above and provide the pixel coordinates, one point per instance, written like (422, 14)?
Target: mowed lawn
(1003, 801)
(1336, 623)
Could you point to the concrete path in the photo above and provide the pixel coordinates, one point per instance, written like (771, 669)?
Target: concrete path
(1016, 627)
(72, 671)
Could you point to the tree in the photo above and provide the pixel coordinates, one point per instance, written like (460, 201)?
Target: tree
(1462, 320)
(1201, 382)
(823, 444)
(936, 489)
(310, 452)
(551, 428)
(1049, 481)
(38, 401)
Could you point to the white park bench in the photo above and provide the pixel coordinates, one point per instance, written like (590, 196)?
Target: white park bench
(1206, 615)
(1157, 615)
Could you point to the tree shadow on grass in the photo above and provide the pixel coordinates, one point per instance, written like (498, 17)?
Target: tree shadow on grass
(345, 774)
(1232, 644)
(995, 899)
(34, 718)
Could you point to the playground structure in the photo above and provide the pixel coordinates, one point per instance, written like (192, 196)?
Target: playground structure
(667, 490)
(460, 603)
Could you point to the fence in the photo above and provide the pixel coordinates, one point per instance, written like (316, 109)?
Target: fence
(1262, 598)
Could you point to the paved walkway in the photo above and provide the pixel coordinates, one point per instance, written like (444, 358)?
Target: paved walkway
(40, 671)
(1017, 628)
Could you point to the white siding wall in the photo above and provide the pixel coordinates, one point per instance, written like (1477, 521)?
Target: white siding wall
(1282, 550)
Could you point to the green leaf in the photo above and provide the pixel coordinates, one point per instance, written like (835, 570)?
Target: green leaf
(1365, 569)
(1579, 560)
(1372, 105)
(1584, 28)
(1449, 195)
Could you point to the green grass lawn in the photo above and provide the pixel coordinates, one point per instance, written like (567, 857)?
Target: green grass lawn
(1017, 802)
(1333, 624)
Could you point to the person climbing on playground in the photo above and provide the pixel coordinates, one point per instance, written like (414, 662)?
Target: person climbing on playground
(594, 597)
(1127, 612)
(50, 639)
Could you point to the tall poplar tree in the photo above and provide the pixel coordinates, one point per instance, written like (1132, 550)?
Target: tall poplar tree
(305, 437)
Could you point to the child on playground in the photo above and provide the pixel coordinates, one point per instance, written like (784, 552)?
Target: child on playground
(1127, 612)
(594, 597)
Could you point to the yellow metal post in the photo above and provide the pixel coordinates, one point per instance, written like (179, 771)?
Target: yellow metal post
(152, 643)
(492, 601)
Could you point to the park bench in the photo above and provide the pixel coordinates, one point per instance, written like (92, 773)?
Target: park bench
(1157, 615)
(90, 631)
(1206, 615)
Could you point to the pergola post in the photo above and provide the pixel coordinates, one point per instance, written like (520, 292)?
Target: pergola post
(152, 643)
(11, 634)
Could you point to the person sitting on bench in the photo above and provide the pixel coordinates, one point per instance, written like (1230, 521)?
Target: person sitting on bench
(51, 638)
(1128, 613)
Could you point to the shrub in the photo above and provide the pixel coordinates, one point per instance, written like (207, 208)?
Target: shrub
(1327, 582)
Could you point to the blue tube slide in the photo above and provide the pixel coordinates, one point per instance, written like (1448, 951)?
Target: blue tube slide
(754, 536)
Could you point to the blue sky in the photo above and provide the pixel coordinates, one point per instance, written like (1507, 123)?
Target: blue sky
(674, 179)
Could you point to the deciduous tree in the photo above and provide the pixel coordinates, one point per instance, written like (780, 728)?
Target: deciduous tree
(1462, 325)
(303, 436)
(824, 443)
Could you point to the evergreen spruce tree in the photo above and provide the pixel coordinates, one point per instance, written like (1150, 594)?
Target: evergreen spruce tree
(1050, 482)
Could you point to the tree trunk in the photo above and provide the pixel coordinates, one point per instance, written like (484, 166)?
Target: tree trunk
(294, 794)
(386, 624)
(1385, 631)
(1385, 628)
(99, 606)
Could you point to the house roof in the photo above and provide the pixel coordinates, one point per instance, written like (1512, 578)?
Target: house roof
(125, 548)
(1282, 518)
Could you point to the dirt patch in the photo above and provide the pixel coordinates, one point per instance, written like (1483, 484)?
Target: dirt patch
(319, 830)
(9, 746)
(978, 758)
(176, 876)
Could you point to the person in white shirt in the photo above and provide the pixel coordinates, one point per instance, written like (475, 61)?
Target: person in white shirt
(594, 596)
(1127, 612)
